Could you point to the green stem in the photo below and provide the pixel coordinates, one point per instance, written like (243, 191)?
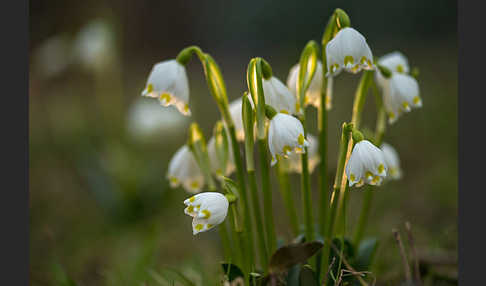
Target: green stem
(258, 219)
(345, 137)
(267, 197)
(244, 199)
(307, 199)
(225, 241)
(365, 209)
(240, 241)
(283, 179)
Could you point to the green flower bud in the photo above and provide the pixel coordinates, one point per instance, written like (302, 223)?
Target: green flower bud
(342, 19)
(386, 72)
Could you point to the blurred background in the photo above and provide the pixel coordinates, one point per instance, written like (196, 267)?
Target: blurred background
(101, 210)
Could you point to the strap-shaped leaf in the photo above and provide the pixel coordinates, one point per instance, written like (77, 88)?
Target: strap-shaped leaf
(289, 255)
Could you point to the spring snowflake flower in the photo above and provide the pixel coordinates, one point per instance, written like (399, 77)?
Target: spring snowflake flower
(400, 91)
(392, 161)
(208, 209)
(278, 96)
(216, 166)
(348, 50)
(168, 82)
(314, 159)
(285, 134)
(183, 170)
(313, 93)
(366, 165)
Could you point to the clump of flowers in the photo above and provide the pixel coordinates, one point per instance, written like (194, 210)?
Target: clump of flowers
(273, 116)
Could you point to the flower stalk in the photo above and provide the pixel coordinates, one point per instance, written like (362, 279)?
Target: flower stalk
(248, 116)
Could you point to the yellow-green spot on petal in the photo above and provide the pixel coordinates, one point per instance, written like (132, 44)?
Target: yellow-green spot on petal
(165, 98)
(206, 213)
(352, 177)
(173, 180)
(391, 115)
(381, 168)
(195, 185)
(186, 108)
(286, 149)
(348, 60)
(190, 209)
(405, 105)
(198, 227)
(208, 226)
(400, 69)
(368, 174)
(150, 88)
(416, 100)
(299, 150)
(192, 199)
(284, 111)
(375, 180)
(301, 139)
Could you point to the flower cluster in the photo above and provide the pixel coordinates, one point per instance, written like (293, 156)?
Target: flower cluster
(274, 114)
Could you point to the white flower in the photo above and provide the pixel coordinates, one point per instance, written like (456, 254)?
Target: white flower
(285, 134)
(400, 91)
(366, 165)
(216, 165)
(183, 169)
(168, 82)
(395, 62)
(400, 94)
(208, 209)
(313, 93)
(392, 161)
(348, 50)
(313, 156)
(278, 96)
(146, 119)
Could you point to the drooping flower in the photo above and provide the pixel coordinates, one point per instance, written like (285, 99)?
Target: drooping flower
(278, 96)
(183, 170)
(168, 82)
(313, 93)
(400, 94)
(217, 167)
(348, 50)
(285, 135)
(392, 160)
(208, 209)
(366, 165)
(313, 155)
(400, 91)
(94, 46)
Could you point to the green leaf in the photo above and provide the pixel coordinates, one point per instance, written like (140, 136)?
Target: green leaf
(307, 277)
(232, 271)
(366, 252)
(289, 255)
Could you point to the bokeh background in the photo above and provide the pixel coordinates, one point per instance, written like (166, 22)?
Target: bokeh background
(101, 210)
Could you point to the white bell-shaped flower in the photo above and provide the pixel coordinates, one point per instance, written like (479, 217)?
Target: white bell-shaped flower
(400, 91)
(348, 50)
(313, 93)
(285, 135)
(168, 82)
(392, 161)
(217, 166)
(208, 209)
(400, 94)
(366, 165)
(313, 156)
(278, 96)
(183, 170)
